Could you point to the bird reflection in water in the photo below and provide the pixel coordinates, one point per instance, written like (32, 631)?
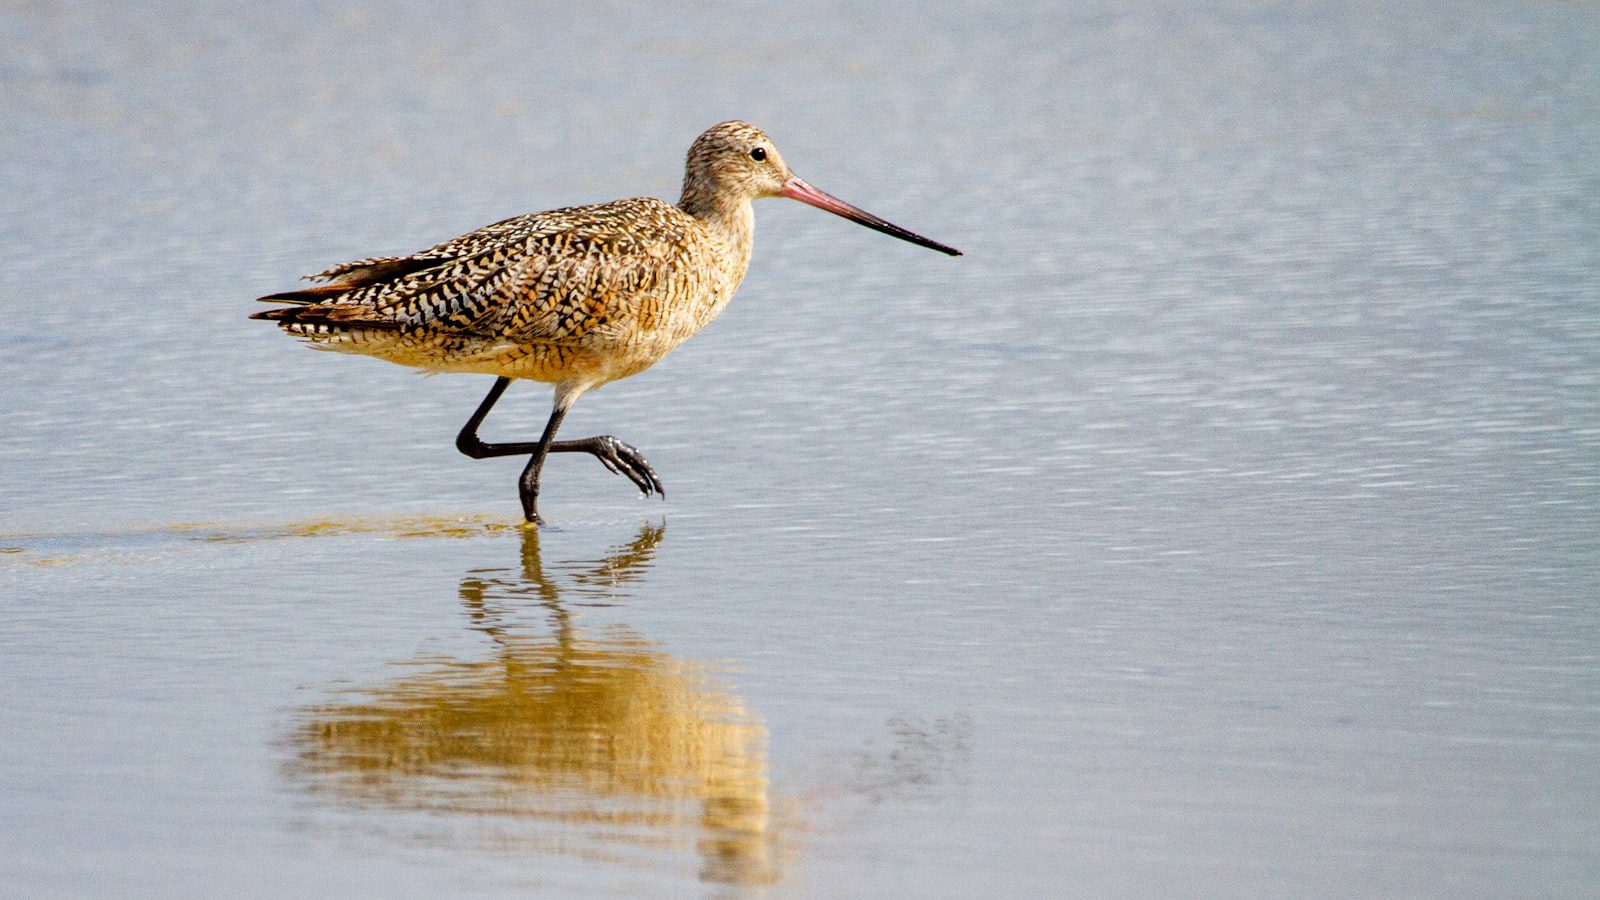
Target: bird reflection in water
(564, 740)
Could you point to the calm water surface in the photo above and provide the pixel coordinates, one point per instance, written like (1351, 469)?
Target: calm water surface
(1225, 523)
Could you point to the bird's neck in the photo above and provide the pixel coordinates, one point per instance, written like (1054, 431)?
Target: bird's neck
(729, 218)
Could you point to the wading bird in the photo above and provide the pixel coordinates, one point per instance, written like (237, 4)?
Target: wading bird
(577, 297)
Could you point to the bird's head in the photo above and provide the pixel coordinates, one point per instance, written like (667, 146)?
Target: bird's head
(735, 162)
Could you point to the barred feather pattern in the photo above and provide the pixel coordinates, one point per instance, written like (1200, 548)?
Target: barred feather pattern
(577, 296)
(588, 293)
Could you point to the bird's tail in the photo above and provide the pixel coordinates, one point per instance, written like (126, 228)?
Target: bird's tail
(323, 318)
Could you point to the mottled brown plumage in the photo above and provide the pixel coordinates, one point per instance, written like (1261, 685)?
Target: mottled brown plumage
(577, 297)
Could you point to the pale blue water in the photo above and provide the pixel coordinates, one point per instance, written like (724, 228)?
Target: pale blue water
(1224, 523)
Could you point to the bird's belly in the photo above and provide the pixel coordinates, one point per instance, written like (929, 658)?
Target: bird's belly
(583, 362)
(615, 350)
(604, 353)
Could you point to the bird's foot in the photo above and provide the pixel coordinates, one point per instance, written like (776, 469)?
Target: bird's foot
(624, 459)
(530, 512)
(528, 493)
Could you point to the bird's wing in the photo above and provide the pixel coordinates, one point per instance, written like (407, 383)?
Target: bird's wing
(549, 276)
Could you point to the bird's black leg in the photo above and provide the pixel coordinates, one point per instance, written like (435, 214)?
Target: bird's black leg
(528, 484)
(468, 441)
(617, 456)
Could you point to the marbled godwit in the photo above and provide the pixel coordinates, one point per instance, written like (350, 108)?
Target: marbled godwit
(577, 297)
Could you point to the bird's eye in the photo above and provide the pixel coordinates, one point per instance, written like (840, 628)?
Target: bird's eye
(759, 154)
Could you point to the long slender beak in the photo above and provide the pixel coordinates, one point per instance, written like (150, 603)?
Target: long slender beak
(796, 189)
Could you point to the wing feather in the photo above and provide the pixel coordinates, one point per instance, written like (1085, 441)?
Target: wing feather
(544, 277)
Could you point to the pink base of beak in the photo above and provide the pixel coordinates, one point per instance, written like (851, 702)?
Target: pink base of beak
(797, 189)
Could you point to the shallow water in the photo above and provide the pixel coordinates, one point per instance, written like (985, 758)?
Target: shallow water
(1224, 523)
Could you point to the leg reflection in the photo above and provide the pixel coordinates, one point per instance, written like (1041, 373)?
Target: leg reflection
(563, 739)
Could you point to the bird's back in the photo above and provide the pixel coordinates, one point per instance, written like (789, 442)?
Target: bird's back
(587, 293)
